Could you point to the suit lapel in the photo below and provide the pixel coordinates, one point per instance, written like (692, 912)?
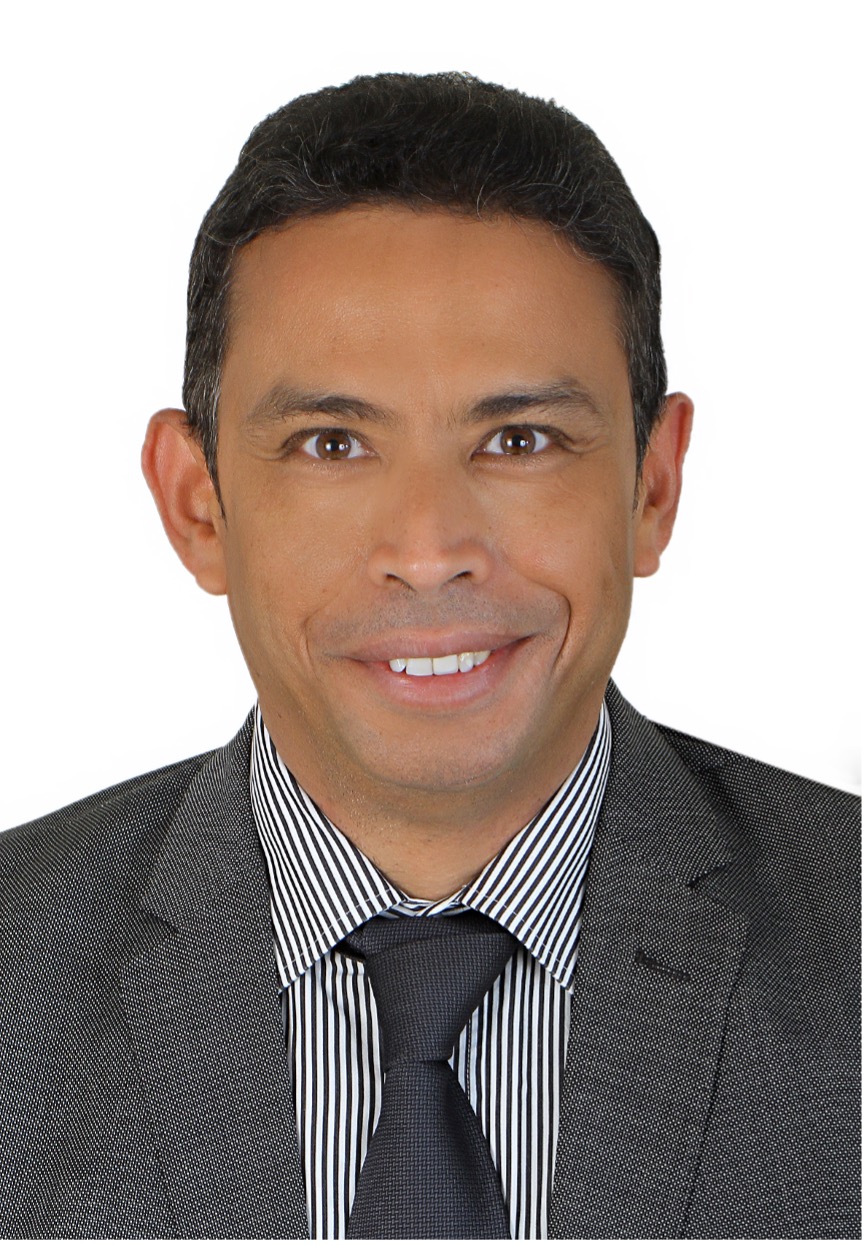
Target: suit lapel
(656, 966)
(202, 1006)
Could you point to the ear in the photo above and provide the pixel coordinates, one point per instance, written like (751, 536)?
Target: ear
(660, 483)
(178, 478)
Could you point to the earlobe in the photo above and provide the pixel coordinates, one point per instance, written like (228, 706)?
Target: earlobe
(178, 478)
(661, 483)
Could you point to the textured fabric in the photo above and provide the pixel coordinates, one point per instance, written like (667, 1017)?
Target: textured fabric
(710, 1087)
(428, 1173)
(508, 1058)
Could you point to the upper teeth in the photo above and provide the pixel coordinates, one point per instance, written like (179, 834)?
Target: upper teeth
(439, 665)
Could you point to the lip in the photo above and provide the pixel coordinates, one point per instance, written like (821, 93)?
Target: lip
(433, 644)
(442, 691)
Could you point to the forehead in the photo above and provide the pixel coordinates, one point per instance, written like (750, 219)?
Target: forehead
(431, 292)
(365, 244)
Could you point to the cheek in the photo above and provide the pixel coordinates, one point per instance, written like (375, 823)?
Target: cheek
(286, 562)
(578, 542)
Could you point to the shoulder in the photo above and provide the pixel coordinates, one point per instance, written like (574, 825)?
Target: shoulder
(656, 766)
(798, 839)
(786, 1088)
(795, 872)
(782, 808)
(106, 837)
(778, 850)
(72, 882)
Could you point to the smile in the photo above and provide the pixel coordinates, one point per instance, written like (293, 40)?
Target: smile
(467, 677)
(453, 663)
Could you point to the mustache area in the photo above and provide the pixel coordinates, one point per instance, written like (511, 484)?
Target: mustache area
(498, 622)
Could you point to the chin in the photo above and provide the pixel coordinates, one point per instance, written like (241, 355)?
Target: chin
(441, 771)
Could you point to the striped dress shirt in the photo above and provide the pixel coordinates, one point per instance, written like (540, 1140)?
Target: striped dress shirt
(508, 1059)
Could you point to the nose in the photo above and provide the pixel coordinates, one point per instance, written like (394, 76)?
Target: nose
(430, 529)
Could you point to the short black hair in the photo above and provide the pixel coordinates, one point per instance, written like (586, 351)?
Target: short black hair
(438, 140)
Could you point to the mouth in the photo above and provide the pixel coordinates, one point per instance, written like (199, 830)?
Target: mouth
(452, 663)
(442, 681)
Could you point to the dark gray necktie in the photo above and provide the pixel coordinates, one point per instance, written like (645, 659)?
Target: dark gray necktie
(428, 1173)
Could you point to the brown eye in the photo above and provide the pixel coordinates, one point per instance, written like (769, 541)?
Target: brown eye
(332, 445)
(518, 442)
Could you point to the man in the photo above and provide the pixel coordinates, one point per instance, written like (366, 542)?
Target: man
(542, 968)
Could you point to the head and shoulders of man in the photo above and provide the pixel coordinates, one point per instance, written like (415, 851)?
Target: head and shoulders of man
(426, 418)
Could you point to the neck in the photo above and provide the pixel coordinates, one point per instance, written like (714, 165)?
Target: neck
(430, 844)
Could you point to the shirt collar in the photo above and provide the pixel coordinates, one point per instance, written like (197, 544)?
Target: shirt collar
(323, 887)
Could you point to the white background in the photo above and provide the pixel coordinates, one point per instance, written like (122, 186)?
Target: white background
(735, 126)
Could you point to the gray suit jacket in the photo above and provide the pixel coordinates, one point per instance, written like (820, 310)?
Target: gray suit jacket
(710, 1085)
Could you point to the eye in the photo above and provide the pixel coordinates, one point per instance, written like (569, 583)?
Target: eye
(332, 445)
(518, 441)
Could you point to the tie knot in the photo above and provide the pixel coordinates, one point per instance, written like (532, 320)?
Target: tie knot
(428, 975)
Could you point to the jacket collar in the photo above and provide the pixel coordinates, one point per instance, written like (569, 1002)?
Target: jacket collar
(654, 806)
(201, 1001)
(657, 964)
(211, 844)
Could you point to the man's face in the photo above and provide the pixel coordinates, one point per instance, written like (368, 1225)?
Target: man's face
(426, 449)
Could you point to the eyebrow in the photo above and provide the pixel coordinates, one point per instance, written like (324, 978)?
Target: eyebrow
(562, 395)
(284, 402)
